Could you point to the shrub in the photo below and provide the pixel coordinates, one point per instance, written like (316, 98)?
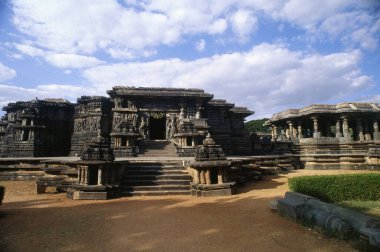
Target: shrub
(337, 188)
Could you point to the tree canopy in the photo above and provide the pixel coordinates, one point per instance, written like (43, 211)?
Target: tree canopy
(257, 125)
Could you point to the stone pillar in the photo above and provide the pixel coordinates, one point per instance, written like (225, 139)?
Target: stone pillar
(272, 133)
(376, 135)
(300, 134)
(287, 134)
(208, 177)
(79, 175)
(275, 133)
(346, 132)
(85, 175)
(220, 176)
(367, 135)
(359, 129)
(337, 129)
(290, 124)
(196, 177)
(203, 177)
(193, 141)
(225, 175)
(316, 132)
(82, 175)
(100, 176)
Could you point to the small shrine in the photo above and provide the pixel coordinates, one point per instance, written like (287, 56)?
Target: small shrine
(94, 171)
(210, 171)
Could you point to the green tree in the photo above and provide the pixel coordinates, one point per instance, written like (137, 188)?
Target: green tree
(257, 125)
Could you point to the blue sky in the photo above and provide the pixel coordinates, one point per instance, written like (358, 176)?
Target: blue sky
(265, 55)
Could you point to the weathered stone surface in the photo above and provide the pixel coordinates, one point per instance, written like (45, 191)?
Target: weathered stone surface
(342, 136)
(53, 127)
(37, 128)
(332, 218)
(213, 190)
(88, 192)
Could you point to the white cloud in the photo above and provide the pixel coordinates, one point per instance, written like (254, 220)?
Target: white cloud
(129, 29)
(244, 23)
(29, 50)
(62, 60)
(200, 45)
(11, 93)
(266, 78)
(6, 73)
(102, 25)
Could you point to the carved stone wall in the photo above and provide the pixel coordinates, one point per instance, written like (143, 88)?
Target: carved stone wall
(37, 128)
(55, 127)
(92, 116)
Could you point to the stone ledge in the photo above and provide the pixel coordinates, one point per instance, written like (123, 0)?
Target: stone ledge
(213, 190)
(334, 219)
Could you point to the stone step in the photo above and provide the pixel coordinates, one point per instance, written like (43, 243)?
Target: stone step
(157, 193)
(157, 177)
(157, 155)
(155, 168)
(155, 172)
(156, 188)
(135, 182)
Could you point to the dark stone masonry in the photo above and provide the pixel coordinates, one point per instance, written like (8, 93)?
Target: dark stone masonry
(126, 120)
(36, 128)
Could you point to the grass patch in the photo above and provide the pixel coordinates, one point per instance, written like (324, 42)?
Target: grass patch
(366, 207)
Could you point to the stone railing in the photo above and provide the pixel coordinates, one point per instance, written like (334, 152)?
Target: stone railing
(186, 151)
(320, 140)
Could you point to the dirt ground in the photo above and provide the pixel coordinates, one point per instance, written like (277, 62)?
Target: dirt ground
(243, 222)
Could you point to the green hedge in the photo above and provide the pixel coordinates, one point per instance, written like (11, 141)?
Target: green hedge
(337, 188)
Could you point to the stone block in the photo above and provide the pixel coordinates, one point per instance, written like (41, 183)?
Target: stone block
(79, 195)
(213, 190)
(292, 204)
(290, 207)
(216, 193)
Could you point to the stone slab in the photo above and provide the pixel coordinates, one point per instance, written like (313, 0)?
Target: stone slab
(79, 195)
(212, 193)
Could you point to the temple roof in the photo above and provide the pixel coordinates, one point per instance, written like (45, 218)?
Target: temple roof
(220, 103)
(158, 92)
(85, 99)
(56, 100)
(347, 107)
(242, 110)
(36, 103)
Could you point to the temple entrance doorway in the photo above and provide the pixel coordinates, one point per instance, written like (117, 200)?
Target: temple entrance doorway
(157, 128)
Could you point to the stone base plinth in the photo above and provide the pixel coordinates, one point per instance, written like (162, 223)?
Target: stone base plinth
(213, 190)
(89, 192)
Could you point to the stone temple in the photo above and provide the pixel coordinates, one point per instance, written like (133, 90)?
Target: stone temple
(341, 136)
(165, 141)
(132, 120)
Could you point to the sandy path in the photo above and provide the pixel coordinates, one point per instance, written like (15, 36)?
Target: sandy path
(242, 222)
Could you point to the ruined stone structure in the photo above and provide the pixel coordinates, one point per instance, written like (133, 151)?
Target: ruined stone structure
(344, 136)
(36, 128)
(128, 119)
